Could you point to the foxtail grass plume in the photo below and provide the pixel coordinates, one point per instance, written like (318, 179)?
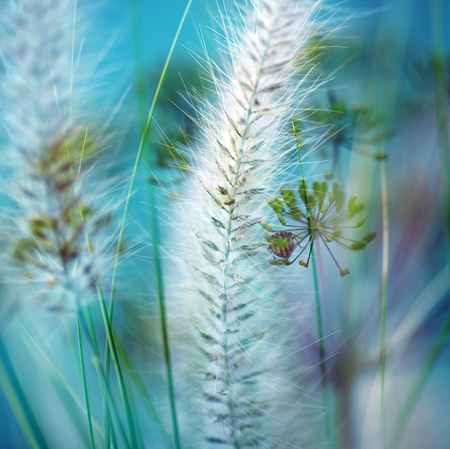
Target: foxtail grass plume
(240, 359)
(58, 228)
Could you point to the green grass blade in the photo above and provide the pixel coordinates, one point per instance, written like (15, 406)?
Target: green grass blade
(384, 280)
(104, 380)
(85, 386)
(122, 234)
(138, 162)
(112, 349)
(323, 368)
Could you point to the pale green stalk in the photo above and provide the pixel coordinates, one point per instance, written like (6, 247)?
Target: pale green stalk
(323, 368)
(138, 162)
(436, 13)
(154, 232)
(103, 379)
(85, 386)
(109, 427)
(87, 309)
(384, 280)
(111, 348)
(18, 402)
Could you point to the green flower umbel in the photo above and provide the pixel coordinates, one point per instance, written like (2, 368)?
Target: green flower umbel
(322, 216)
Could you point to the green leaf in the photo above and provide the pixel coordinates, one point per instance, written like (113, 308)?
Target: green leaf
(288, 196)
(351, 202)
(281, 219)
(265, 225)
(339, 196)
(362, 220)
(279, 262)
(331, 197)
(355, 246)
(380, 156)
(295, 212)
(311, 203)
(336, 221)
(280, 204)
(369, 237)
(317, 188)
(275, 205)
(357, 208)
(323, 206)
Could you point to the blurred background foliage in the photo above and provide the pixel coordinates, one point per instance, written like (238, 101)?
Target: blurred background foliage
(385, 104)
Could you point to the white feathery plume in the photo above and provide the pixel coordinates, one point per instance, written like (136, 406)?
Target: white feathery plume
(232, 307)
(49, 154)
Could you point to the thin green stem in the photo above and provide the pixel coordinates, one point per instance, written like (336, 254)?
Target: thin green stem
(138, 162)
(436, 14)
(110, 313)
(110, 436)
(323, 367)
(120, 377)
(18, 402)
(154, 229)
(103, 379)
(85, 386)
(384, 281)
(154, 224)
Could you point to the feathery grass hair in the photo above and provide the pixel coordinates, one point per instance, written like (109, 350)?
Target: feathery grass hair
(49, 155)
(244, 135)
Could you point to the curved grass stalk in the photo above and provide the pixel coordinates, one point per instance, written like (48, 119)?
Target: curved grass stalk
(112, 349)
(323, 368)
(104, 380)
(138, 162)
(436, 11)
(85, 386)
(384, 280)
(155, 237)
